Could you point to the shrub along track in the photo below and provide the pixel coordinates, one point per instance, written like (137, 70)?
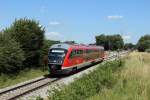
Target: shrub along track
(92, 82)
(17, 91)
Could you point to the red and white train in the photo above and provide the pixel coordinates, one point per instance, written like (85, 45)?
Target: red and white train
(64, 58)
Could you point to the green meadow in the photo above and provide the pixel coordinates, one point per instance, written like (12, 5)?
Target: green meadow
(124, 79)
(133, 81)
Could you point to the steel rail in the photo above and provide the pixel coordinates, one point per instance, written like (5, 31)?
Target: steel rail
(13, 92)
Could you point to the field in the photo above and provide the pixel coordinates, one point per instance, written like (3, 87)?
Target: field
(27, 74)
(126, 79)
(133, 80)
(89, 84)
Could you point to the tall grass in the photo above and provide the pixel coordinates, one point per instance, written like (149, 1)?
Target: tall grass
(133, 81)
(88, 85)
(27, 74)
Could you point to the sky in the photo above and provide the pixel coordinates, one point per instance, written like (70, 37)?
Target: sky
(81, 20)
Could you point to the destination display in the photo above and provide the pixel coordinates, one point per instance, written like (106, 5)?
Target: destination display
(58, 51)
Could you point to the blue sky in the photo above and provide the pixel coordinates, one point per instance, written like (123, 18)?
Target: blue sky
(82, 20)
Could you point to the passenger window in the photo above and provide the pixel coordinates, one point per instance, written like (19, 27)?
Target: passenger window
(73, 53)
(87, 51)
(79, 52)
(76, 53)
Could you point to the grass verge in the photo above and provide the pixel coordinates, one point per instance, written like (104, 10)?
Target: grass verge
(89, 84)
(27, 74)
(133, 80)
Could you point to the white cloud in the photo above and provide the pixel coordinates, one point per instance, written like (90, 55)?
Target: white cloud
(40, 25)
(114, 17)
(126, 37)
(130, 33)
(54, 23)
(43, 9)
(55, 33)
(1, 28)
(54, 36)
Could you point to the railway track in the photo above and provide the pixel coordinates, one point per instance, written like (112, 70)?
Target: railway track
(21, 89)
(17, 91)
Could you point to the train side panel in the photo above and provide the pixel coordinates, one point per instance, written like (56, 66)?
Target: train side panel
(63, 58)
(73, 58)
(87, 57)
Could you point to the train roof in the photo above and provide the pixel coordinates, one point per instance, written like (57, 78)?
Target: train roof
(67, 46)
(60, 45)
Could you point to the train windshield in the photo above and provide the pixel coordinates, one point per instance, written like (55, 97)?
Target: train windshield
(56, 55)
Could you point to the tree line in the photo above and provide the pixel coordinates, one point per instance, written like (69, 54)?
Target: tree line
(115, 42)
(144, 43)
(23, 45)
(110, 42)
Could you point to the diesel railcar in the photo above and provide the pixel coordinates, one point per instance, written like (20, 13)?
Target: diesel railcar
(65, 58)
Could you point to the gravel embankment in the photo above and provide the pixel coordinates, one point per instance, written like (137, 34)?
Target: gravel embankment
(42, 92)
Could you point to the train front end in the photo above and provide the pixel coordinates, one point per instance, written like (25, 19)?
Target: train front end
(56, 56)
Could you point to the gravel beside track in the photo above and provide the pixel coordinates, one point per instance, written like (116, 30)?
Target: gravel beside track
(23, 88)
(39, 86)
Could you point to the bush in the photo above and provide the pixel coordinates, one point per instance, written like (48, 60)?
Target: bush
(30, 35)
(89, 84)
(148, 50)
(110, 42)
(11, 55)
(47, 44)
(129, 46)
(44, 51)
(144, 43)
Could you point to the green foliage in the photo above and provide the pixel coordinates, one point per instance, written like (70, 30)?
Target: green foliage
(129, 46)
(39, 98)
(47, 44)
(29, 34)
(11, 55)
(133, 80)
(70, 42)
(89, 84)
(147, 50)
(144, 43)
(22, 76)
(44, 51)
(110, 42)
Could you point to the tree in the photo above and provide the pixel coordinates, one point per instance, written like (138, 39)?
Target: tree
(47, 44)
(129, 46)
(70, 42)
(11, 55)
(30, 35)
(101, 40)
(144, 43)
(110, 42)
(44, 51)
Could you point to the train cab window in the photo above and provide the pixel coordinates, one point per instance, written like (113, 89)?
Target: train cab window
(56, 55)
